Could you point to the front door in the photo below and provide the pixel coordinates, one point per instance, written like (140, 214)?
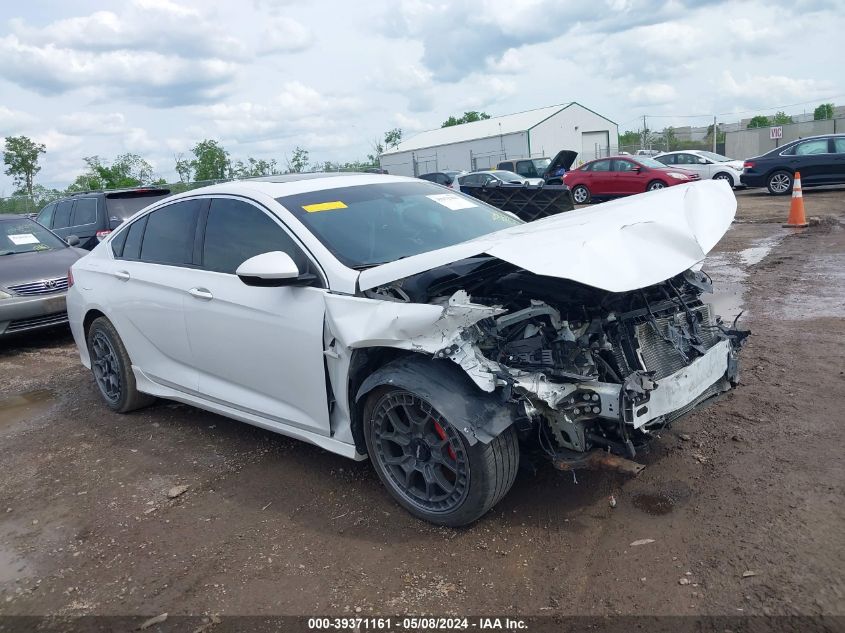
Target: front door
(626, 175)
(257, 349)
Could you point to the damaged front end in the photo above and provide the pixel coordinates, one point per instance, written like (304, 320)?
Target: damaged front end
(587, 371)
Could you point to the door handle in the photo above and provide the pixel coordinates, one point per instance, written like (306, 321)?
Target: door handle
(123, 275)
(201, 293)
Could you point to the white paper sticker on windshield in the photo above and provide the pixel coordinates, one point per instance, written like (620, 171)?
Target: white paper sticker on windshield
(452, 201)
(20, 239)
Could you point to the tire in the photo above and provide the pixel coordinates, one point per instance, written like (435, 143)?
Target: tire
(779, 183)
(581, 195)
(112, 369)
(427, 464)
(655, 185)
(724, 176)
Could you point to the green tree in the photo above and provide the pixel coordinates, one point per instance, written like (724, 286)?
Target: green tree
(211, 161)
(823, 112)
(781, 118)
(758, 121)
(629, 139)
(298, 162)
(468, 117)
(254, 167)
(127, 170)
(21, 160)
(393, 137)
(183, 168)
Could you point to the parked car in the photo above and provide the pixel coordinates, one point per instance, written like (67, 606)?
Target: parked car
(622, 176)
(380, 316)
(445, 178)
(33, 275)
(820, 159)
(705, 164)
(496, 176)
(549, 169)
(647, 152)
(92, 215)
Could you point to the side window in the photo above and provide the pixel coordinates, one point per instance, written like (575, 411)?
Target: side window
(669, 159)
(839, 145)
(62, 218)
(817, 146)
(85, 212)
(169, 238)
(601, 165)
(134, 236)
(506, 166)
(442, 179)
(237, 230)
(526, 168)
(45, 217)
(623, 165)
(117, 243)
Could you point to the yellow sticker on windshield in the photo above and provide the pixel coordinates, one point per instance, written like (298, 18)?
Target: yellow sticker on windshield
(324, 206)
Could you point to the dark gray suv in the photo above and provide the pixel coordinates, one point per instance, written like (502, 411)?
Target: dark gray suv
(92, 215)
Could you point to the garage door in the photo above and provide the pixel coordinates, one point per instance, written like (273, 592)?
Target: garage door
(593, 145)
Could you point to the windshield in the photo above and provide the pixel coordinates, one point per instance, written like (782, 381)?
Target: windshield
(649, 162)
(22, 235)
(379, 223)
(542, 164)
(714, 157)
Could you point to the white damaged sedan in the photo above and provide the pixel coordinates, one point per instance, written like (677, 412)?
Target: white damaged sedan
(389, 317)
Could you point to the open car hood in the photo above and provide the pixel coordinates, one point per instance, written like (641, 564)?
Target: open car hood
(617, 246)
(564, 158)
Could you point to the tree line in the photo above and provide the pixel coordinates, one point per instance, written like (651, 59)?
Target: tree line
(208, 161)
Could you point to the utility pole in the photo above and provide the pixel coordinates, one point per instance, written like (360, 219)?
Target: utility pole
(715, 133)
(645, 135)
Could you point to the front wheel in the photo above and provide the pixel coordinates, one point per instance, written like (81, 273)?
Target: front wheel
(428, 466)
(726, 177)
(779, 183)
(655, 185)
(580, 194)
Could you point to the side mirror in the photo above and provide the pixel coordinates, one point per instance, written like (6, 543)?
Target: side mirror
(72, 240)
(272, 269)
(637, 169)
(703, 161)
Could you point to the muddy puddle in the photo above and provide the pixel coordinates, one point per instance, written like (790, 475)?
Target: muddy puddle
(729, 271)
(24, 406)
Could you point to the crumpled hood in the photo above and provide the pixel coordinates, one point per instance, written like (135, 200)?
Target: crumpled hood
(618, 246)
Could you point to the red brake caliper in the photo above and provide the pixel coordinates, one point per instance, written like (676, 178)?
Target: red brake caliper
(442, 435)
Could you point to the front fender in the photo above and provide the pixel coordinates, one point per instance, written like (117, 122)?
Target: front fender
(478, 415)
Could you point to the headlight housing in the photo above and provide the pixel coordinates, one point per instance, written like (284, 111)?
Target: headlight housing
(4, 295)
(677, 175)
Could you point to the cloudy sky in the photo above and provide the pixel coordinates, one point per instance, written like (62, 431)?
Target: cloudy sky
(262, 76)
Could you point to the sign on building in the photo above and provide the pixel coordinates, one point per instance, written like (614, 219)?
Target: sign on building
(776, 133)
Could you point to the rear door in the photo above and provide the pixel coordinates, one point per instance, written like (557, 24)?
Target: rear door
(85, 221)
(257, 349)
(814, 158)
(599, 178)
(149, 277)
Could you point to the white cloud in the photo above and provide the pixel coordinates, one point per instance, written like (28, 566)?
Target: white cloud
(12, 121)
(756, 90)
(510, 62)
(92, 123)
(285, 35)
(653, 94)
(408, 123)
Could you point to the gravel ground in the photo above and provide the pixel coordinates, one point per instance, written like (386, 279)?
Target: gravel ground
(741, 503)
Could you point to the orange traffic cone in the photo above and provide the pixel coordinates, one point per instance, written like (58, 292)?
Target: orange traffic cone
(796, 220)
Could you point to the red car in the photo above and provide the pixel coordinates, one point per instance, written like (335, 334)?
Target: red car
(622, 176)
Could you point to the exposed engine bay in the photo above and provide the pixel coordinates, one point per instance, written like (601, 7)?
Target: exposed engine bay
(587, 368)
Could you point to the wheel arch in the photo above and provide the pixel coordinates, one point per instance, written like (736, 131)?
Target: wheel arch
(478, 415)
(92, 315)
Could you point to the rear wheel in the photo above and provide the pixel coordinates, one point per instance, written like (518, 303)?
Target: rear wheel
(112, 369)
(427, 464)
(654, 185)
(779, 183)
(580, 194)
